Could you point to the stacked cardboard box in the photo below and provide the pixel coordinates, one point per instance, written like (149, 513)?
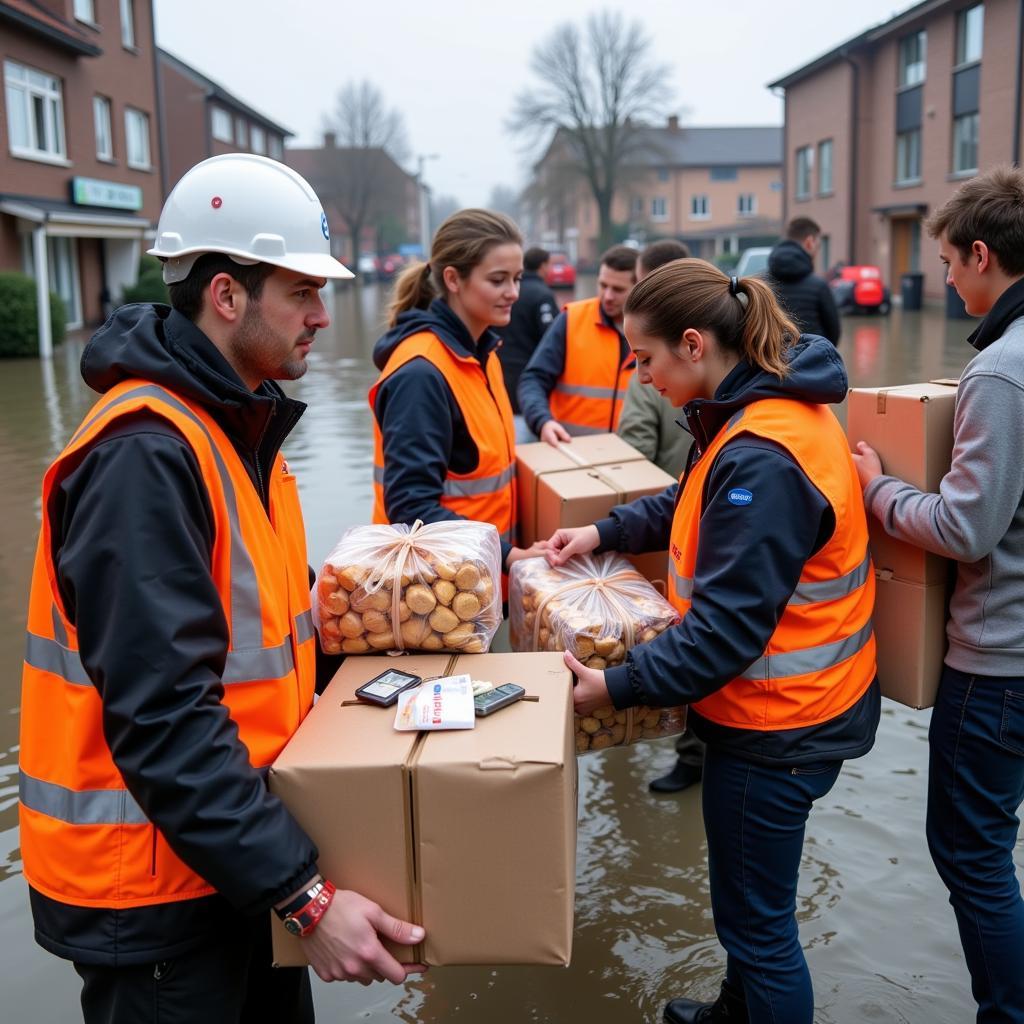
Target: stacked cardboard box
(580, 482)
(911, 428)
(471, 833)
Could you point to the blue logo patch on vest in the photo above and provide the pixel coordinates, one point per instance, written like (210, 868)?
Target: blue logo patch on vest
(740, 496)
(323, 226)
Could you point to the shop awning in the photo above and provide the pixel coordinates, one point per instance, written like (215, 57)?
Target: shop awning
(71, 220)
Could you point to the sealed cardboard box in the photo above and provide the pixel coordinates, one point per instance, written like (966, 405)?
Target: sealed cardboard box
(910, 632)
(911, 428)
(457, 831)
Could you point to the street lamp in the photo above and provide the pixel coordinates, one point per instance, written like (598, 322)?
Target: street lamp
(421, 159)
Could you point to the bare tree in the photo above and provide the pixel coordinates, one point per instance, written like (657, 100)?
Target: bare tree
(354, 172)
(596, 89)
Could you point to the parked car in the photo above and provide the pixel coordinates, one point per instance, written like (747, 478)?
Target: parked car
(561, 273)
(753, 261)
(859, 289)
(388, 266)
(366, 266)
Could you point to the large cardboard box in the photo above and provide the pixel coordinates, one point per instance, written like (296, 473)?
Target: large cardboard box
(911, 427)
(471, 833)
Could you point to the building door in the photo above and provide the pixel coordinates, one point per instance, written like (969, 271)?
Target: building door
(906, 248)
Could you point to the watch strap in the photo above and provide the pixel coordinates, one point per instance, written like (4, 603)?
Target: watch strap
(301, 922)
(309, 893)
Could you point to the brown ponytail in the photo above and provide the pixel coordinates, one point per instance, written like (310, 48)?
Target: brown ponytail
(462, 241)
(745, 318)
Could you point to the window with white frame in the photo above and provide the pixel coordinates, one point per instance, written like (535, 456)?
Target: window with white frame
(85, 10)
(804, 171)
(913, 58)
(136, 133)
(35, 113)
(128, 24)
(220, 124)
(257, 139)
(276, 148)
(700, 207)
(103, 128)
(965, 143)
(240, 132)
(659, 208)
(825, 167)
(746, 204)
(970, 27)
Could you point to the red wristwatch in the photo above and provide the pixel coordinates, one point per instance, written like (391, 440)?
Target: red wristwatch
(302, 920)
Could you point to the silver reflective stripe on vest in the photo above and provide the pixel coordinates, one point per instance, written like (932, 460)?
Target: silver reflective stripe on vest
(480, 485)
(832, 590)
(51, 656)
(683, 585)
(246, 616)
(811, 659)
(303, 628)
(585, 390)
(80, 807)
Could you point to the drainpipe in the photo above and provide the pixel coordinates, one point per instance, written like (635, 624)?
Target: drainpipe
(1017, 85)
(854, 136)
(785, 152)
(42, 291)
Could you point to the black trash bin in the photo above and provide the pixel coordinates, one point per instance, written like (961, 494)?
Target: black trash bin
(912, 290)
(955, 308)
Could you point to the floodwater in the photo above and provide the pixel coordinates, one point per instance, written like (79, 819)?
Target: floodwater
(874, 920)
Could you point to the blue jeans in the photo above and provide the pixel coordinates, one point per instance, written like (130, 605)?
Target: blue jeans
(755, 816)
(975, 787)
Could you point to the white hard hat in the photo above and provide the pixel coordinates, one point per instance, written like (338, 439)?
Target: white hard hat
(250, 208)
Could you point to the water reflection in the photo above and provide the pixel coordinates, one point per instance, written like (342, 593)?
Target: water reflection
(880, 938)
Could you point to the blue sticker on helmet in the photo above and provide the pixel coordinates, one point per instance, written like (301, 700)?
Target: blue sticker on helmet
(740, 496)
(323, 226)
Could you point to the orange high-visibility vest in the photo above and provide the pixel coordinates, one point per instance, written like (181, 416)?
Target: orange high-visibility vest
(588, 396)
(488, 493)
(821, 658)
(84, 839)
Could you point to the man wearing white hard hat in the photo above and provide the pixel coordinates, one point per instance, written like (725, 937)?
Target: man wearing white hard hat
(170, 650)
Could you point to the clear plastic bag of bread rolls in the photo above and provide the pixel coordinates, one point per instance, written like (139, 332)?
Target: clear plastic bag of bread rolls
(597, 607)
(434, 587)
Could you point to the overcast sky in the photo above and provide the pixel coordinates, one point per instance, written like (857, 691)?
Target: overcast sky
(455, 67)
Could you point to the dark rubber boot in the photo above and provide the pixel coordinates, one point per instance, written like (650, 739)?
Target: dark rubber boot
(681, 777)
(729, 1008)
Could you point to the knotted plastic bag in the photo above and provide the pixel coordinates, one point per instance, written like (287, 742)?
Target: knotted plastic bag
(421, 588)
(597, 607)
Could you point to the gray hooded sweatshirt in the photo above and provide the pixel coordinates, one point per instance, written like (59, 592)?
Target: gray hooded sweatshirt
(977, 518)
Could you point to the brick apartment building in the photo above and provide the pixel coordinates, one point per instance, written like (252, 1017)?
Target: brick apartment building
(879, 130)
(202, 119)
(717, 189)
(80, 178)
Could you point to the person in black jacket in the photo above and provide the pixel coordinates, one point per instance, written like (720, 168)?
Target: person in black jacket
(154, 638)
(806, 297)
(532, 314)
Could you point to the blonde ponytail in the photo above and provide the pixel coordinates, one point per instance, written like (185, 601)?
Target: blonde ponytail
(413, 290)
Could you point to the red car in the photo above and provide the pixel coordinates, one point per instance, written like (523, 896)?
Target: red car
(561, 273)
(859, 289)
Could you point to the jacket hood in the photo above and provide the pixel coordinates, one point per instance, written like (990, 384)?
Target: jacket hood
(155, 343)
(440, 320)
(817, 374)
(790, 261)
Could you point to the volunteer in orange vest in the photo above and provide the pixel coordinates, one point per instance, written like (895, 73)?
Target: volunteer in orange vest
(576, 380)
(170, 651)
(769, 569)
(444, 441)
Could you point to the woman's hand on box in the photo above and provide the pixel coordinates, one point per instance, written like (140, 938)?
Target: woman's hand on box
(554, 434)
(578, 540)
(591, 691)
(868, 464)
(346, 944)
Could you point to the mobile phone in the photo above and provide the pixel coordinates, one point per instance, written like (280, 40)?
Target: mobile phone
(500, 697)
(385, 688)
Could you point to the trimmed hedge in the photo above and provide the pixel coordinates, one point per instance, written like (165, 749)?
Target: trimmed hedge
(19, 321)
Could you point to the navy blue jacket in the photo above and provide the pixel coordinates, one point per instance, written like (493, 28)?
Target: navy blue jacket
(546, 366)
(749, 562)
(806, 297)
(423, 429)
(532, 314)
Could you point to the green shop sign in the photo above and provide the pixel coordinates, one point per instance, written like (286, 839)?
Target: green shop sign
(92, 192)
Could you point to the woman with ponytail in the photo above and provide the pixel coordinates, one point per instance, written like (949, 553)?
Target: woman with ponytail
(769, 569)
(444, 438)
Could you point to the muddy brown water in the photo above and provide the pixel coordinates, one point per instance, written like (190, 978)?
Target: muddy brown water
(874, 920)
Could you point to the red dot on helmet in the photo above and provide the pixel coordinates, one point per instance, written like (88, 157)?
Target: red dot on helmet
(216, 202)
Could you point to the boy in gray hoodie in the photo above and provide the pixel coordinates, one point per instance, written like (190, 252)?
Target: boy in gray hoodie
(976, 738)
